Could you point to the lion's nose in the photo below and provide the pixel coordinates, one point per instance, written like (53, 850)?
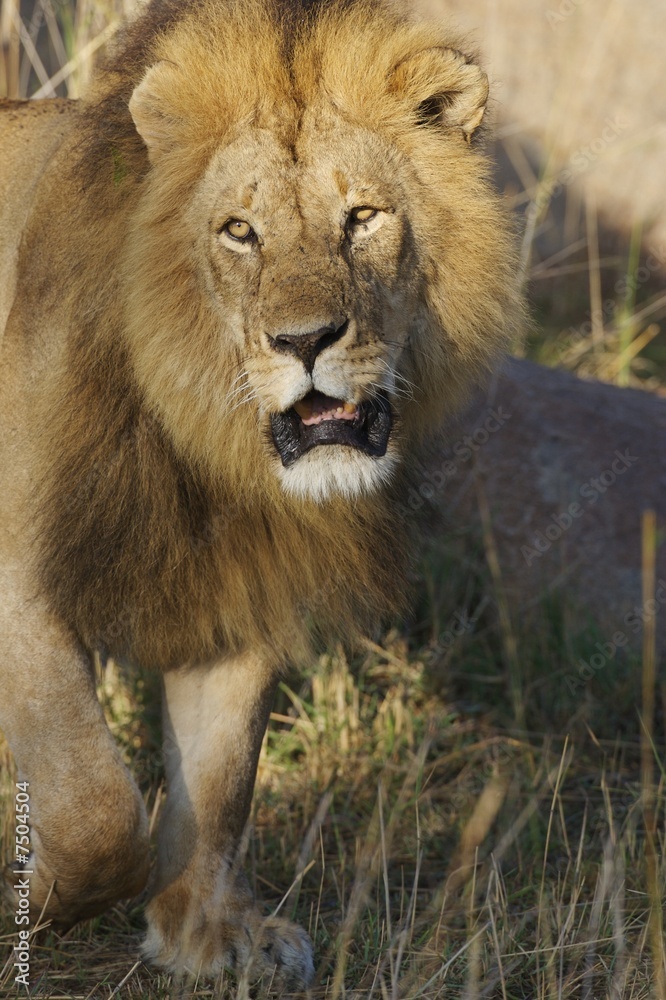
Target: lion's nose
(308, 346)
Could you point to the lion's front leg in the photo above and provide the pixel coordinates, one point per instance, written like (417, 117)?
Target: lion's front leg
(88, 825)
(201, 917)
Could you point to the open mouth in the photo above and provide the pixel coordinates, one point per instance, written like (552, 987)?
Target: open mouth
(318, 419)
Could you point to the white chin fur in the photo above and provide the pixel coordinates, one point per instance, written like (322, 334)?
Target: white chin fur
(335, 470)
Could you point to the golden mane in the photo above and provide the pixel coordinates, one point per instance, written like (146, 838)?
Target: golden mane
(146, 557)
(145, 549)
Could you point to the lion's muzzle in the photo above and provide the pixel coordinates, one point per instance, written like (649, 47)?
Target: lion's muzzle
(318, 420)
(308, 346)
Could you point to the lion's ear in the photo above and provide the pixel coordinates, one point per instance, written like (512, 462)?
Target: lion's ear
(444, 88)
(149, 108)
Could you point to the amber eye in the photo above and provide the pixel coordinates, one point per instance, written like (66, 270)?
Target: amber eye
(238, 229)
(363, 214)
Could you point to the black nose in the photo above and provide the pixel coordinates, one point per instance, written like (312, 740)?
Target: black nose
(308, 346)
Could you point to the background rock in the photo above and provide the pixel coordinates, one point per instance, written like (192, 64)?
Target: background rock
(567, 468)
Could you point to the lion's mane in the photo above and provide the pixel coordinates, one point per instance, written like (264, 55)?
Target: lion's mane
(148, 546)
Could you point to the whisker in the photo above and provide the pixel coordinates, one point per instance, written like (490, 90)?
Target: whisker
(241, 374)
(246, 399)
(392, 391)
(239, 390)
(397, 376)
(405, 393)
(253, 393)
(409, 346)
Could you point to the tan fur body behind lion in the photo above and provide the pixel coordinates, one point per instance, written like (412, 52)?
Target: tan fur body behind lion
(30, 135)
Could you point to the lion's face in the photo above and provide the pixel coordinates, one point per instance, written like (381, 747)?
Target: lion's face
(330, 273)
(306, 253)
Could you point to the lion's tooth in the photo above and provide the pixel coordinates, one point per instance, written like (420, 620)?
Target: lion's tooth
(304, 409)
(349, 407)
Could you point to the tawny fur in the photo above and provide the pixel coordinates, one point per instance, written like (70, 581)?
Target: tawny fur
(144, 509)
(164, 531)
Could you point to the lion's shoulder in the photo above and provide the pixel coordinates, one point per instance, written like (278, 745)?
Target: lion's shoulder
(30, 131)
(30, 134)
(35, 118)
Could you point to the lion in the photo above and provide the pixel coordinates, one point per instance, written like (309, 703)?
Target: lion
(244, 281)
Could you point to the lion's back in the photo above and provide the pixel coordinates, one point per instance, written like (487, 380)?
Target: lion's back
(30, 132)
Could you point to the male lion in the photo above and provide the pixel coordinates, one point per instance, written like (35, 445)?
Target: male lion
(240, 283)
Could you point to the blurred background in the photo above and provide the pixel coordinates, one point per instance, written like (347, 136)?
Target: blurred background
(581, 148)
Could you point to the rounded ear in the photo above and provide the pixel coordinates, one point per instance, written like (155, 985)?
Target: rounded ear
(444, 88)
(149, 108)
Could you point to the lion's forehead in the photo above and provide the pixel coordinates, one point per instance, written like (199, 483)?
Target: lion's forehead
(330, 166)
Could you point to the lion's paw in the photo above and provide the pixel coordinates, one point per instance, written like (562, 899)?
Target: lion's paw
(280, 956)
(270, 951)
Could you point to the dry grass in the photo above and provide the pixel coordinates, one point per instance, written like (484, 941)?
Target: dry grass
(432, 850)
(453, 822)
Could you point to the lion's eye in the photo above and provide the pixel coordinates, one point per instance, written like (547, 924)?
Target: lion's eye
(238, 229)
(363, 214)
